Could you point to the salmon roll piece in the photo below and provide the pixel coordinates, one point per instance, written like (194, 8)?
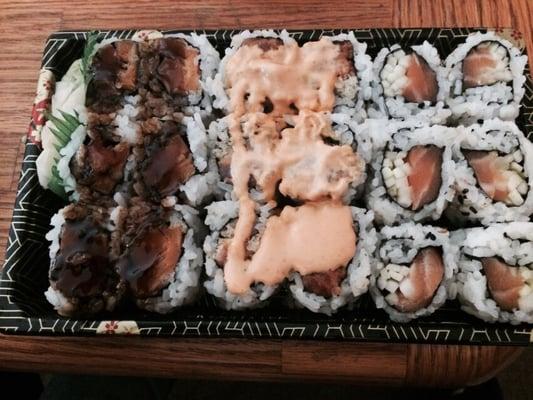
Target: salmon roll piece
(408, 82)
(486, 78)
(493, 174)
(221, 220)
(412, 175)
(415, 265)
(173, 161)
(327, 292)
(85, 243)
(495, 279)
(160, 262)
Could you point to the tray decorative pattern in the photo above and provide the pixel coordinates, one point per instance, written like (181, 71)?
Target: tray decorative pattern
(24, 310)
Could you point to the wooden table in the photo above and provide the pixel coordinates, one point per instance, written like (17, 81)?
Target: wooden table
(24, 26)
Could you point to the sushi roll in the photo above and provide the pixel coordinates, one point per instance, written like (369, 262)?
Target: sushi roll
(412, 175)
(85, 244)
(495, 279)
(263, 71)
(175, 69)
(326, 292)
(486, 78)
(494, 166)
(160, 262)
(414, 268)
(221, 220)
(331, 134)
(410, 82)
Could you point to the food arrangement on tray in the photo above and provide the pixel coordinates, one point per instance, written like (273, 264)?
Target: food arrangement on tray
(312, 174)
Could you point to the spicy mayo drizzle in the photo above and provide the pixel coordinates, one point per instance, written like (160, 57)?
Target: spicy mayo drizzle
(319, 235)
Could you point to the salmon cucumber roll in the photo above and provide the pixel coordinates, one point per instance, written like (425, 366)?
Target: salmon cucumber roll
(414, 268)
(84, 249)
(342, 284)
(409, 82)
(412, 175)
(493, 174)
(160, 262)
(495, 279)
(486, 78)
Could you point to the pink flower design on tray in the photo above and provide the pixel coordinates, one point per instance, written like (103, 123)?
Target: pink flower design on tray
(111, 326)
(118, 328)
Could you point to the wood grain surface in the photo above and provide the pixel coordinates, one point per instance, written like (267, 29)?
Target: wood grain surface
(24, 26)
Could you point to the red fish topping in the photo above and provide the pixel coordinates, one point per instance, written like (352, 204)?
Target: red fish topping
(425, 275)
(504, 282)
(425, 177)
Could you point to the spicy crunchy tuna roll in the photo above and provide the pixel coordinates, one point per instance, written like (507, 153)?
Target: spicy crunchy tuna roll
(486, 78)
(412, 174)
(410, 83)
(413, 270)
(85, 244)
(160, 262)
(308, 142)
(222, 219)
(267, 72)
(495, 279)
(493, 173)
(347, 278)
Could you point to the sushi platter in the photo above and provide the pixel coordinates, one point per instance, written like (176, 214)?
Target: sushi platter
(367, 185)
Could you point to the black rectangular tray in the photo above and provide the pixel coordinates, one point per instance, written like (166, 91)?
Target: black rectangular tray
(24, 309)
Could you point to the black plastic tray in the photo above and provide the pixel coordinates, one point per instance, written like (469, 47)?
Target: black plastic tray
(24, 309)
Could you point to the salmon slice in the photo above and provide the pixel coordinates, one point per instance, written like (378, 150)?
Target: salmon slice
(425, 275)
(477, 67)
(504, 282)
(422, 84)
(488, 168)
(151, 260)
(425, 177)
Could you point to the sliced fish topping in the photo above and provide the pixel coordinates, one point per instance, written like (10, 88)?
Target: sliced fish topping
(413, 178)
(505, 282)
(486, 64)
(412, 288)
(410, 76)
(501, 177)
